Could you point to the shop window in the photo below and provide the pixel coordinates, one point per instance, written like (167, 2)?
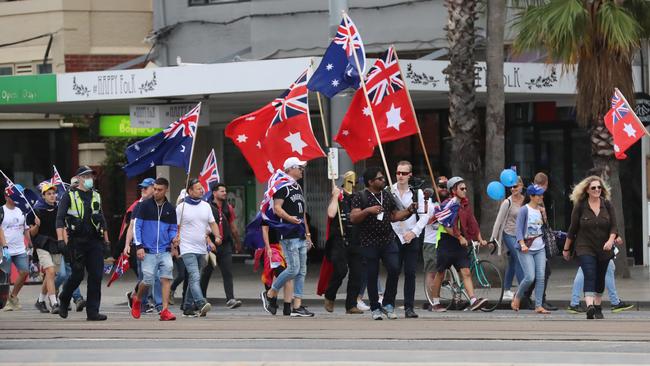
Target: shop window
(6, 70)
(44, 68)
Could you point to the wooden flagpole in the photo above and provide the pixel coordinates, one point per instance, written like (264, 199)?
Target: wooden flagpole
(636, 118)
(417, 123)
(369, 104)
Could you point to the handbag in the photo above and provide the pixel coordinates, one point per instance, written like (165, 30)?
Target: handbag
(550, 242)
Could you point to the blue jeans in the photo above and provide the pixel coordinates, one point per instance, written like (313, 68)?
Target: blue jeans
(155, 291)
(594, 270)
(193, 263)
(534, 265)
(64, 273)
(19, 261)
(514, 267)
(610, 284)
(295, 254)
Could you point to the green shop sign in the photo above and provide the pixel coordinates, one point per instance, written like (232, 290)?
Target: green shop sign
(120, 126)
(27, 89)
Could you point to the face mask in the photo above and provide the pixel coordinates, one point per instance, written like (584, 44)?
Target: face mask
(88, 183)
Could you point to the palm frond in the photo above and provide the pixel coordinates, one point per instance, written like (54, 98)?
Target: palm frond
(558, 26)
(618, 29)
(640, 10)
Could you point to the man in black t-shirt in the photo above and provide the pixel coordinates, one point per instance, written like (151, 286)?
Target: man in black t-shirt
(373, 209)
(289, 206)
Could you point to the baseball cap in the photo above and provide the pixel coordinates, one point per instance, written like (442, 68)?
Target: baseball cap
(535, 190)
(451, 183)
(293, 161)
(46, 187)
(146, 182)
(83, 170)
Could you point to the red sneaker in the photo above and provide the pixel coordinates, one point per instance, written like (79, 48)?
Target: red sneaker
(166, 315)
(135, 309)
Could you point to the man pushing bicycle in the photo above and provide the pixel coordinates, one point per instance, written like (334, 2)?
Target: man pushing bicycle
(458, 227)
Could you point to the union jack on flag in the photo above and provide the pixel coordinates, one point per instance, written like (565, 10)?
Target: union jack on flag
(185, 125)
(121, 266)
(277, 181)
(209, 174)
(348, 37)
(384, 78)
(446, 213)
(619, 108)
(293, 101)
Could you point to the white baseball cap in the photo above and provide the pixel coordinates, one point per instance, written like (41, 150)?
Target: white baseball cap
(293, 161)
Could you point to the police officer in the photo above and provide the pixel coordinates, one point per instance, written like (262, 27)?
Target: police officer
(81, 225)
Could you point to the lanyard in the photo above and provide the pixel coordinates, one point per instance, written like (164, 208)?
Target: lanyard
(380, 200)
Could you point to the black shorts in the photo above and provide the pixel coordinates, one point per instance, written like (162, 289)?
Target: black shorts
(450, 253)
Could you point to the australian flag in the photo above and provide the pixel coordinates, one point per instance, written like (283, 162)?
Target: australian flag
(25, 199)
(172, 146)
(338, 69)
(446, 213)
(209, 175)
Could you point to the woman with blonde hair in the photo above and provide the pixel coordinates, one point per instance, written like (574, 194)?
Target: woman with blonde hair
(593, 230)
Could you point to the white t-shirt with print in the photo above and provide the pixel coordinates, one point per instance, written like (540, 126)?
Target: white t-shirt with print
(534, 228)
(195, 226)
(13, 226)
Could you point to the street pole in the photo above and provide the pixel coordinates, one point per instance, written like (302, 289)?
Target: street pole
(338, 105)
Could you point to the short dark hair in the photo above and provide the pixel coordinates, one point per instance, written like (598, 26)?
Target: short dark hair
(370, 174)
(162, 182)
(191, 183)
(217, 186)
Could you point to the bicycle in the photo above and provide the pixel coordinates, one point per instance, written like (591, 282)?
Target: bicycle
(486, 278)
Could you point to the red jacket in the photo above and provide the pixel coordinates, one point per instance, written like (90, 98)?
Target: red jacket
(469, 227)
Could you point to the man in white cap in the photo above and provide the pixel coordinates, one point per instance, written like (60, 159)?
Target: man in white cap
(289, 206)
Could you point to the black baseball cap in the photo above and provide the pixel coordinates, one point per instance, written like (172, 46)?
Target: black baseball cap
(84, 170)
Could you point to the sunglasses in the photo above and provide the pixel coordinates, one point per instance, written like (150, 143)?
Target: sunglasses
(442, 186)
(379, 178)
(403, 173)
(594, 188)
(462, 189)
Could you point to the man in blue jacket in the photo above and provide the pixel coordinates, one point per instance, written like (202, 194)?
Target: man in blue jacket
(155, 227)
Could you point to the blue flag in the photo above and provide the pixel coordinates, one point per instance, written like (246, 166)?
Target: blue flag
(172, 146)
(338, 69)
(24, 199)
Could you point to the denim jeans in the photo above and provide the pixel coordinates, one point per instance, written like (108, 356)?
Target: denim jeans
(610, 284)
(193, 263)
(295, 254)
(389, 255)
(514, 267)
(533, 264)
(155, 292)
(594, 271)
(64, 273)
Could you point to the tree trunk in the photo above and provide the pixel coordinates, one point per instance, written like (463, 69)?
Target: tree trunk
(602, 154)
(495, 111)
(463, 122)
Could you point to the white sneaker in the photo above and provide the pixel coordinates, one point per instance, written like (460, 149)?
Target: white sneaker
(12, 304)
(362, 305)
(508, 295)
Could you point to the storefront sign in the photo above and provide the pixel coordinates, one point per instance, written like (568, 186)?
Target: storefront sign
(27, 89)
(642, 108)
(162, 115)
(120, 126)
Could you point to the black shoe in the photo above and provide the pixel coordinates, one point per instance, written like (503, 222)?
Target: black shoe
(81, 304)
(301, 312)
(548, 306)
(189, 313)
(63, 310)
(578, 309)
(55, 309)
(96, 317)
(599, 312)
(268, 303)
(622, 306)
(41, 306)
(410, 314)
(591, 311)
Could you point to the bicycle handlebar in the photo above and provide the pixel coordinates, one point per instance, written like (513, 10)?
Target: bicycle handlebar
(494, 242)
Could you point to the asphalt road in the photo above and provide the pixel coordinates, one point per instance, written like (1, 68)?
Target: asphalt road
(248, 336)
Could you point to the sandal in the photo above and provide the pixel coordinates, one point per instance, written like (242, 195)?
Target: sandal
(541, 310)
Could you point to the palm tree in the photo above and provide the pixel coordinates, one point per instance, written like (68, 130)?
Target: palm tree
(463, 121)
(599, 38)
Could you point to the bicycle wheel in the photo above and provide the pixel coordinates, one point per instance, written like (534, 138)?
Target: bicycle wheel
(446, 290)
(488, 284)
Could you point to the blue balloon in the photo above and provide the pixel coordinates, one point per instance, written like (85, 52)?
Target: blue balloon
(508, 178)
(496, 191)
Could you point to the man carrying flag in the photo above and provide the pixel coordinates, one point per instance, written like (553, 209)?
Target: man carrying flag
(173, 146)
(337, 70)
(623, 124)
(391, 107)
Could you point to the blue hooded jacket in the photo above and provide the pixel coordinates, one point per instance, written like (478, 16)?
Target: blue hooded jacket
(155, 226)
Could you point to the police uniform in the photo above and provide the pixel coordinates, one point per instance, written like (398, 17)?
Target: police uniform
(81, 215)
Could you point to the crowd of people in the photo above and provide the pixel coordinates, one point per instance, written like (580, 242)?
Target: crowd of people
(173, 244)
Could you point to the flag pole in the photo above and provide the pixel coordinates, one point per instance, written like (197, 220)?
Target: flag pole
(21, 193)
(189, 168)
(372, 113)
(636, 118)
(417, 124)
